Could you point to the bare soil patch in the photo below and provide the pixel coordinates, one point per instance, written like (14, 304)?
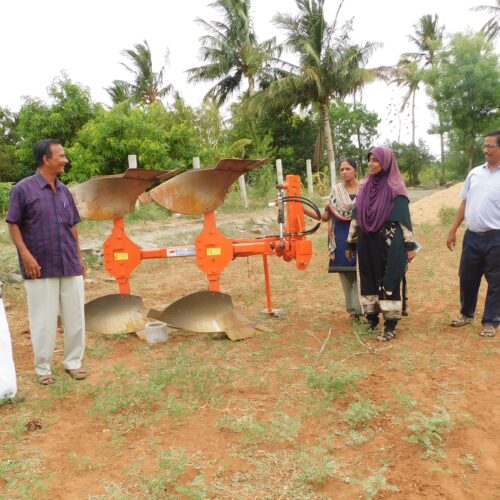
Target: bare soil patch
(287, 414)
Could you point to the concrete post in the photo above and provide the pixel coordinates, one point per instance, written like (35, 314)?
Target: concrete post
(279, 171)
(333, 173)
(132, 161)
(309, 177)
(196, 162)
(243, 190)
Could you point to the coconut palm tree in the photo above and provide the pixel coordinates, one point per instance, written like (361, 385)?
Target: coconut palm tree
(119, 91)
(491, 29)
(231, 51)
(427, 38)
(329, 66)
(147, 86)
(407, 74)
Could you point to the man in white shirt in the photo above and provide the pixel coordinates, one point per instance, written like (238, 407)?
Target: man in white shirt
(8, 385)
(480, 207)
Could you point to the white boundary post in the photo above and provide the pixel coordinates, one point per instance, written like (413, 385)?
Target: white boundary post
(243, 190)
(132, 161)
(309, 177)
(333, 173)
(279, 171)
(196, 162)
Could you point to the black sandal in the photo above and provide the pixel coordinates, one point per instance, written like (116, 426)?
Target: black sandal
(386, 336)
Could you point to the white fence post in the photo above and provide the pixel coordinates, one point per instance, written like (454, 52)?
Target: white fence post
(309, 177)
(279, 171)
(132, 161)
(243, 190)
(333, 173)
(196, 162)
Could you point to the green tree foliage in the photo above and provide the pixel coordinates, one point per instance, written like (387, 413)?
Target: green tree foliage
(491, 29)
(464, 85)
(159, 138)
(11, 170)
(72, 108)
(147, 86)
(354, 129)
(231, 51)
(329, 65)
(285, 135)
(412, 158)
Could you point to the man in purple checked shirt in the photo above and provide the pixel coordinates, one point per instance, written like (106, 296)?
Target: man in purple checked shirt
(42, 221)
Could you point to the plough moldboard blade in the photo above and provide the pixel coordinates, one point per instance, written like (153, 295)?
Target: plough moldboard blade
(196, 192)
(241, 166)
(206, 312)
(104, 198)
(115, 314)
(110, 196)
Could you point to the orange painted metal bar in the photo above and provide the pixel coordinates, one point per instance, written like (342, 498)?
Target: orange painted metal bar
(268, 285)
(213, 250)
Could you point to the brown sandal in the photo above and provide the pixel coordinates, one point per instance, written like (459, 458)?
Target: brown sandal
(488, 331)
(460, 321)
(46, 379)
(76, 373)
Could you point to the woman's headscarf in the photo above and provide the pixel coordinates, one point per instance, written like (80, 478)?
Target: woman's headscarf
(377, 192)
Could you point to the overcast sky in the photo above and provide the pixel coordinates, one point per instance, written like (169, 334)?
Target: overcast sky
(41, 38)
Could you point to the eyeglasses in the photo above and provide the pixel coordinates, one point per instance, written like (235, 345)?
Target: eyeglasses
(490, 146)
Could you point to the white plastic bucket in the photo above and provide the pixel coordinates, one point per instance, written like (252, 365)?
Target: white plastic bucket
(155, 332)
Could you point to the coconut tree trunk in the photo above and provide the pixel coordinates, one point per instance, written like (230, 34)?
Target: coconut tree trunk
(442, 174)
(471, 160)
(413, 118)
(327, 131)
(251, 86)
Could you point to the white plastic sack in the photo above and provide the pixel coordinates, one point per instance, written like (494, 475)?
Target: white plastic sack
(8, 385)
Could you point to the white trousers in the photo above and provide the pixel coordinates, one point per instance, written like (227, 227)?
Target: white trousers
(8, 385)
(46, 297)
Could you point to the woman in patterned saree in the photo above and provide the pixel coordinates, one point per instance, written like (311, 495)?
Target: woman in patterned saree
(381, 232)
(338, 213)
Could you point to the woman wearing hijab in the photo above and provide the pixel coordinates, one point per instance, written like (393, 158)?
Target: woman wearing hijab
(381, 232)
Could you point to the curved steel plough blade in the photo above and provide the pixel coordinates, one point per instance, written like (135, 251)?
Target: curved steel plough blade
(196, 192)
(207, 312)
(110, 196)
(115, 314)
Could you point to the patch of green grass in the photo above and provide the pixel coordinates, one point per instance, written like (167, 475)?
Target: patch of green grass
(356, 438)
(149, 212)
(446, 215)
(469, 460)
(358, 414)
(98, 349)
(316, 465)
(25, 478)
(404, 398)
(282, 428)
(375, 483)
(427, 431)
(161, 483)
(333, 380)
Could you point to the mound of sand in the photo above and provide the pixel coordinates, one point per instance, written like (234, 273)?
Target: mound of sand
(426, 210)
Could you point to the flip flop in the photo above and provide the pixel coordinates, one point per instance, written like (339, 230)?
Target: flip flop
(488, 331)
(76, 373)
(460, 321)
(46, 379)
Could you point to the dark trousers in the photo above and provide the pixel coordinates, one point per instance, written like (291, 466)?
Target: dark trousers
(480, 256)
